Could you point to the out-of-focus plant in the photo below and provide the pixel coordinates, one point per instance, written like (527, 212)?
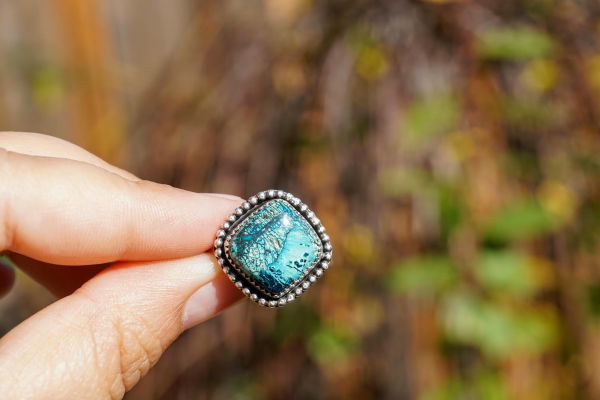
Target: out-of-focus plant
(515, 44)
(449, 147)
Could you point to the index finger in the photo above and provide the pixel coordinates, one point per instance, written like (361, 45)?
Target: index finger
(70, 212)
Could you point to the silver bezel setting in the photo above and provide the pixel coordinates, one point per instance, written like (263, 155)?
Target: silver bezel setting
(246, 284)
(233, 233)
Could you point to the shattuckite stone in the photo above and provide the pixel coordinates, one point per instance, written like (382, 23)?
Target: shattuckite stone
(275, 246)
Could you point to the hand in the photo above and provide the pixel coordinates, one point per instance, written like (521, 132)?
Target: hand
(65, 218)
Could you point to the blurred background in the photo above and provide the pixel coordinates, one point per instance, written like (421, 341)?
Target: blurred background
(449, 147)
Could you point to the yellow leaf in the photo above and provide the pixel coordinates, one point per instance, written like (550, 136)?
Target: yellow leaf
(540, 75)
(372, 63)
(557, 198)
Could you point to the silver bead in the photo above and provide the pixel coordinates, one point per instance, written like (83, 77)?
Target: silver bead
(271, 193)
(262, 302)
(227, 270)
(325, 237)
(219, 243)
(324, 264)
(289, 197)
(298, 291)
(273, 303)
(254, 297)
(239, 211)
(246, 292)
(315, 221)
(296, 202)
(280, 194)
(327, 256)
(221, 261)
(232, 218)
(319, 272)
(290, 298)
(312, 279)
(218, 253)
(246, 206)
(253, 200)
(327, 247)
(226, 225)
(310, 215)
(262, 196)
(303, 207)
(221, 233)
(239, 285)
(321, 229)
(232, 277)
(282, 302)
(305, 285)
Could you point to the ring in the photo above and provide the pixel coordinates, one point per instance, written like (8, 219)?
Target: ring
(273, 248)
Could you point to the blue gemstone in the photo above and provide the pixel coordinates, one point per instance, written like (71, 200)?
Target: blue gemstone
(275, 246)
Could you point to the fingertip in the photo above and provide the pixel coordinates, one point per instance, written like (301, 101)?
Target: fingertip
(91, 216)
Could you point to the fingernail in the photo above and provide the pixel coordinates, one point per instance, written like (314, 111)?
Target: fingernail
(210, 300)
(225, 196)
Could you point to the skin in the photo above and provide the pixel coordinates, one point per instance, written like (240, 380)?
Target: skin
(129, 260)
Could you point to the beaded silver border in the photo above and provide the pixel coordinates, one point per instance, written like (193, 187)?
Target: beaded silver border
(250, 288)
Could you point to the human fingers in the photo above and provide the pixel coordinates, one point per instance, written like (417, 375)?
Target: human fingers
(58, 279)
(98, 342)
(35, 144)
(70, 212)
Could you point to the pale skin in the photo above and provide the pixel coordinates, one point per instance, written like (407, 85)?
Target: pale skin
(65, 217)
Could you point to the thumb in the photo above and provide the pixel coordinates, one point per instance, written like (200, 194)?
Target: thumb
(100, 341)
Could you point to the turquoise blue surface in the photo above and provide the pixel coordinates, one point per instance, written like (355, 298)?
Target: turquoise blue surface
(275, 246)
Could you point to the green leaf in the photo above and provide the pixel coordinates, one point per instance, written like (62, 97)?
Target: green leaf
(490, 386)
(484, 385)
(521, 220)
(495, 333)
(471, 321)
(460, 317)
(47, 86)
(452, 389)
(518, 44)
(529, 115)
(496, 330)
(404, 181)
(535, 331)
(426, 275)
(506, 272)
(331, 346)
(430, 117)
(450, 203)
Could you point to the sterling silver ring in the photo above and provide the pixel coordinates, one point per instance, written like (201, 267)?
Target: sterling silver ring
(273, 248)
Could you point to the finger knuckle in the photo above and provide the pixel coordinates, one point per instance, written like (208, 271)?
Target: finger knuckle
(127, 346)
(140, 348)
(141, 341)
